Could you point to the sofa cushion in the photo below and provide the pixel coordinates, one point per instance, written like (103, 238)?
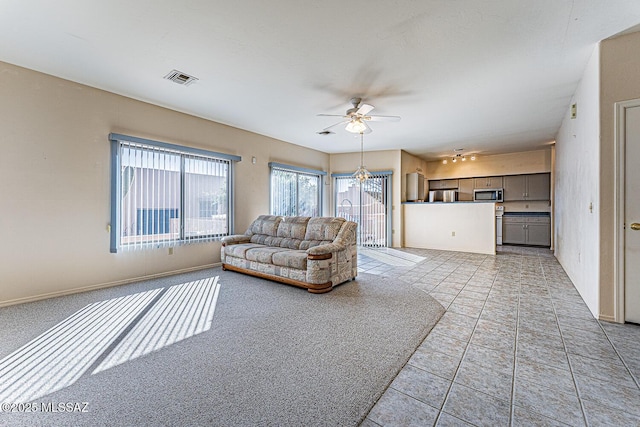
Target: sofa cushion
(293, 227)
(291, 259)
(323, 228)
(266, 225)
(281, 242)
(263, 254)
(240, 250)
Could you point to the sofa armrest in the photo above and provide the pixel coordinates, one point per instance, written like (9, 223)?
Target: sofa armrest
(324, 251)
(236, 238)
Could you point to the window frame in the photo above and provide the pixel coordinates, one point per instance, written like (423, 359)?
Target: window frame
(298, 171)
(115, 225)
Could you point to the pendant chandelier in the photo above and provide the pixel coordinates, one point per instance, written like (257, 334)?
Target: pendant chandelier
(361, 174)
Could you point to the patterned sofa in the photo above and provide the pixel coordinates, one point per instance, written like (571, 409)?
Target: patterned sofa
(315, 253)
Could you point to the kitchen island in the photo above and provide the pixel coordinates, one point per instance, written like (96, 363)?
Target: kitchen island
(458, 226)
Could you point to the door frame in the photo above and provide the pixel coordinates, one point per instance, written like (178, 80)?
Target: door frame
(619, 206)
(388, 174)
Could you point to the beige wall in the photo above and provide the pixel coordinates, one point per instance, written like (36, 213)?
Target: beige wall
(55, 179)
(389, 160)
(620, 72)
(495, 165)
(577, 207)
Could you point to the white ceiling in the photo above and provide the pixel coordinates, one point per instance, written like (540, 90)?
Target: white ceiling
(489, 76)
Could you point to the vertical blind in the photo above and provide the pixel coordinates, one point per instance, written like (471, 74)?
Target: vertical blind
(295, 191)
(168, 197)
(368, 204)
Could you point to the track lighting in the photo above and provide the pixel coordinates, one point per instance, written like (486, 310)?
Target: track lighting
(459, 156)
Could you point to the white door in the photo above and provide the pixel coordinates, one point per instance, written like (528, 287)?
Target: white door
(632, 216)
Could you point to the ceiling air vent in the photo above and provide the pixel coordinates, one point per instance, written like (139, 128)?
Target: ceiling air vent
(180, 78)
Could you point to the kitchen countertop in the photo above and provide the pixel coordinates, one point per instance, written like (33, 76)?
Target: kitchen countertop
(445, 203)
(527, 214)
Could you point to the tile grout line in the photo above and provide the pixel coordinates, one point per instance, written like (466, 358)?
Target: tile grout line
(633, 377)
(412, 397)
(515, 350)
(464, 353)
(564, 344)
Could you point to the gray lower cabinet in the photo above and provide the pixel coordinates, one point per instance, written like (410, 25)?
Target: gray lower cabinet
(538, 234)
(513, 232)
(526, 230)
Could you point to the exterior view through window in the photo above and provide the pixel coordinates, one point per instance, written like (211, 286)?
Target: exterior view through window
(168, 196)
(366, 203)
(295, 191)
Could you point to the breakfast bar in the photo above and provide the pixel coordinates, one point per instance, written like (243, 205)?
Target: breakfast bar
(463, 227)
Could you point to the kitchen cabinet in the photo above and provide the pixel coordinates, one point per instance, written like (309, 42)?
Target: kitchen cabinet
(526, 230)
(527, 187)
(465, 190)
(488, 182)
(443, 184)
(539, 186)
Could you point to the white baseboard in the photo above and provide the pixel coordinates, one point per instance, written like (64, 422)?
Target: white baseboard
(104, 285)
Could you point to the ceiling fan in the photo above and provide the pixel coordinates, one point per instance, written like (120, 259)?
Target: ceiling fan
(356, 118)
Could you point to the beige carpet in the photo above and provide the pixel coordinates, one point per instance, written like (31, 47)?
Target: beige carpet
(194, 350)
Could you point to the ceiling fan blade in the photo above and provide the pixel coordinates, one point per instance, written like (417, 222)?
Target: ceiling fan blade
(336, 124)
(332, 115)
(382, 118)
(368, 129)
(364, 109)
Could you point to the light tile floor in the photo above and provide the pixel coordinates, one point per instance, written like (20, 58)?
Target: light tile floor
(517, 346)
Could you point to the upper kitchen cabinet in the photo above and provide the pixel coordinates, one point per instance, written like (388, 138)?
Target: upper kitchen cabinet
(443, 184)
(527, 187)
(465, 190)
(488, 182)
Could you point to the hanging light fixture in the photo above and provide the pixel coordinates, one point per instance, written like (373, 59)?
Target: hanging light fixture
(356, 126)
(361, 174)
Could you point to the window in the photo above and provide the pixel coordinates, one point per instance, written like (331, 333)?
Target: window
(367, 203)
(295, 191)
(165, 195)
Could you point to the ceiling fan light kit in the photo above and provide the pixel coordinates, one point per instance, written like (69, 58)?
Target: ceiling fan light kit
(355, 126)
(356, 117)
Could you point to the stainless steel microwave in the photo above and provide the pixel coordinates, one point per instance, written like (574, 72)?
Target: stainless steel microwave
(488, 195)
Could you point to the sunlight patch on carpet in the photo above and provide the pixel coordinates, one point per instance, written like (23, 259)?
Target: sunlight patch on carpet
(105, 334)
(184, 311)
